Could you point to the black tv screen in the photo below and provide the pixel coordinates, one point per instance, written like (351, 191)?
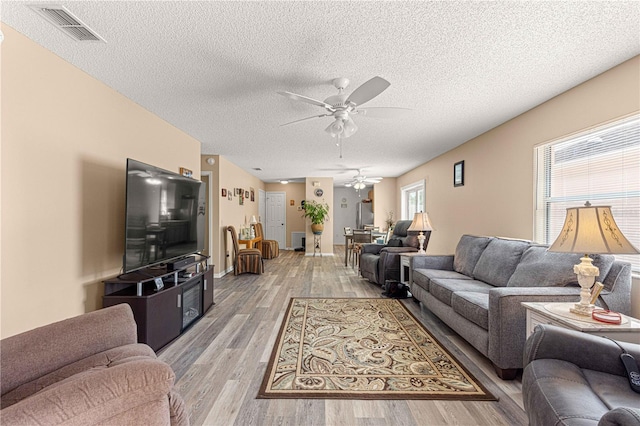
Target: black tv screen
(165, 216)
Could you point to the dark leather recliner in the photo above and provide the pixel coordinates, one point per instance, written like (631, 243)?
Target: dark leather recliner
(381, 262)
(574, 378)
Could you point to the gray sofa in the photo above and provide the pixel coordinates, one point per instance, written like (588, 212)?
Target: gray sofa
(381, 262)
(573, 378)
(478, 291)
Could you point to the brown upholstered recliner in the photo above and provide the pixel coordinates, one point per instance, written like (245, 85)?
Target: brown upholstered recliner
(246, 260)
(87, 370)
(269, 248)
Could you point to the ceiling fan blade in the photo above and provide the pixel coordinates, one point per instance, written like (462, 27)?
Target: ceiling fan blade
(373, 179)
(383, 112)
(368, 90)
(311, 101)
(303, 119)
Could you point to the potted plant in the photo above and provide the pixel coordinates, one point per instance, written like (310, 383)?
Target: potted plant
(318, 213)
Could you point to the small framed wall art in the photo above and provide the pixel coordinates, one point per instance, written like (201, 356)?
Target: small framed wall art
(458, 173)
(224, 192)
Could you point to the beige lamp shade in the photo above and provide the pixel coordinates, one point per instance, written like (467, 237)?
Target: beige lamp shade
(420, 222)
(591, 230)
(253, 219)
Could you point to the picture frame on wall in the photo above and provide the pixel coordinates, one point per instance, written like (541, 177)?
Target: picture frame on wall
(224, 192)
(246, 194)
(230, 195)
(458, 173)
(253, 194)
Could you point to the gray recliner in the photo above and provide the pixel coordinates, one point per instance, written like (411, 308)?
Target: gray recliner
(574, 378)
(381, 262)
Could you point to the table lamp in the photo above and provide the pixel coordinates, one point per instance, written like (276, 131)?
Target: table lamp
(590, 230)
(420, 223)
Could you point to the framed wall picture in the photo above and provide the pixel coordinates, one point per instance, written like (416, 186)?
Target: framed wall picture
(458, 173)
(224, 192)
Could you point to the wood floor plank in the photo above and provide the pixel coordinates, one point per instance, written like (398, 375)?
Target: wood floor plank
(221, 360)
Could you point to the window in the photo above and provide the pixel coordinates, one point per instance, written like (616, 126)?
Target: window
(412, 199)
(601, 166)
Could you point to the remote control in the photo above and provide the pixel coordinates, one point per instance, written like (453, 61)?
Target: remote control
(632, 371)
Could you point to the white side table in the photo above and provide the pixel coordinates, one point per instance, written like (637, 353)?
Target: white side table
(558, 314)
(406, 260)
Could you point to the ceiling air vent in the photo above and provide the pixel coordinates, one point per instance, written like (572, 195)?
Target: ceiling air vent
(67, 23)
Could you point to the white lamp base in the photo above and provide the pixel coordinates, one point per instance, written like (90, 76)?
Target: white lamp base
(421, 239)
(587, 274)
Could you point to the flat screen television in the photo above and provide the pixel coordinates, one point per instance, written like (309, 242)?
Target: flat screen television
(165, 216)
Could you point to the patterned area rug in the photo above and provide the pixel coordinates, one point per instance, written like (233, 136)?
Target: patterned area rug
(362, 349)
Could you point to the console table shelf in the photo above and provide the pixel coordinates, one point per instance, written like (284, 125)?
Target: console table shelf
(163, 314)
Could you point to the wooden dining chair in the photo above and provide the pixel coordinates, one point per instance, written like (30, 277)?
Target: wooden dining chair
(268, 248)
(360, 236)
(245, 260)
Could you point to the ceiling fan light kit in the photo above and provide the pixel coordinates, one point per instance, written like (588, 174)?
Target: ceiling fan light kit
(341, 106)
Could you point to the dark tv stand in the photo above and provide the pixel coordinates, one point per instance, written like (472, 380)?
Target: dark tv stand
(163, 314)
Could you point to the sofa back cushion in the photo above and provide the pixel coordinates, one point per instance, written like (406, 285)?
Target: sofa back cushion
(542, 268)
(468, 252)
(499, 260)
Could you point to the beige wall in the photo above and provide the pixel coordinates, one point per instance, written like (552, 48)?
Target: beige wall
(294, 191)
(231, 212)
(65, 140)
(385, 200)
(497, 197)
(326, 184)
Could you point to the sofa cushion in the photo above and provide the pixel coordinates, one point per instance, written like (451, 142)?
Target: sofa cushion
(440, 273)
(468, 252)
(442, 289)
(473, 306)
(499, 260)
(539, 267)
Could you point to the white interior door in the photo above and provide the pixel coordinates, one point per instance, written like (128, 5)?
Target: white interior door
(276, 218)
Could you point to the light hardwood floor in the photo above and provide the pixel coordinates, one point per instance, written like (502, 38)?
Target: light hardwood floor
(221, 360)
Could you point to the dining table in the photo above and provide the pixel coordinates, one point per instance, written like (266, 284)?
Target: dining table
(250, 243)
(348, 238)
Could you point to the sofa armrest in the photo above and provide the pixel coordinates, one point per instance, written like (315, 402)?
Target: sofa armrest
(596, 353)
(372, 248)
(442, 262)
(32, 354)
(98, 395)
(507, 319)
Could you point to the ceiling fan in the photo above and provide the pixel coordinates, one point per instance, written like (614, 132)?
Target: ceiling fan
(342, 106)
(360, 181)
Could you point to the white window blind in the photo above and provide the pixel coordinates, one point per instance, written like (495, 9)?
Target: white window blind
(601, 166)
(412, 199)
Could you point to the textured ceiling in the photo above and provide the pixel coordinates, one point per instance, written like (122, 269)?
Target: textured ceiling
(213, 68)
